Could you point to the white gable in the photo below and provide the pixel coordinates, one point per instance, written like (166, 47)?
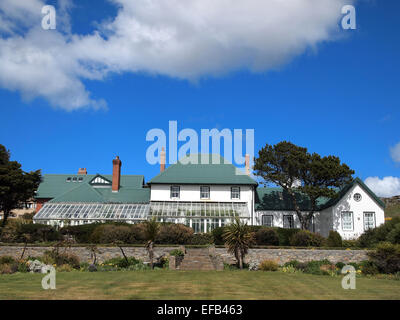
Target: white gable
(100, 181)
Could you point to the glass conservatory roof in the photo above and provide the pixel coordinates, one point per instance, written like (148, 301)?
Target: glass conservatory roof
(93, 211)
(199, 209)
(103, 211)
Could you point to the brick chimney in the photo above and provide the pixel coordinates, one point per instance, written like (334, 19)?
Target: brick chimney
(82, 171)
(116, 174)
(247, 164)
(162, 160)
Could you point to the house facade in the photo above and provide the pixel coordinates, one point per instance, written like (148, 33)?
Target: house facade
(200, 194)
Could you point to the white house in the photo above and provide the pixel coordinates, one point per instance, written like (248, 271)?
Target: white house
(202, 196)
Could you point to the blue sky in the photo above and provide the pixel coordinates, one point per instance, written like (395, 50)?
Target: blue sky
(336, 96)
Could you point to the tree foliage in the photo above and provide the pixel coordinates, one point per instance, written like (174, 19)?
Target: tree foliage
(298, 172)
(16, 185)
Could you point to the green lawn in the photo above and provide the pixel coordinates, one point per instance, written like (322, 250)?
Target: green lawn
(163, 284)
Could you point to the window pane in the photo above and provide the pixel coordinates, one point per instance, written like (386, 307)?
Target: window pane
(288, 222)
(267, 220)
(369, 220)
(347, 220)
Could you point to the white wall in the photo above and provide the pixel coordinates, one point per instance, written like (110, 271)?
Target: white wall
(347, 203)
(218, 193)
(331, 218)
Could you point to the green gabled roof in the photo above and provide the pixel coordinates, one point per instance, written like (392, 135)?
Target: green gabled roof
(125, 195)
(278, 199)
(81, 193)
(215, 172)
(343, 191)
(54, 185)
(85, 193)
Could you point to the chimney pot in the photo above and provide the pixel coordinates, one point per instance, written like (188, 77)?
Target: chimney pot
(247, 164)
(162, 160)
(82, 171)
(116, 174)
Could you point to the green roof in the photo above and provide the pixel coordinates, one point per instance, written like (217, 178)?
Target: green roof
(53, 185)
(215, 172)
(278, 199)
(56, 187)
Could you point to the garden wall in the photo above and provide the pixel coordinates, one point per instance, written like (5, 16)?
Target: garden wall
(254, 255)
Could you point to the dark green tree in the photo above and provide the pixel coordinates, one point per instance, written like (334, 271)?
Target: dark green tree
(16, 185)
(300, 174)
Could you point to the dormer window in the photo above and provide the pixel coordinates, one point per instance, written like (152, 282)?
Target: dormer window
(74, 179)
(68, 179)
(80, 179)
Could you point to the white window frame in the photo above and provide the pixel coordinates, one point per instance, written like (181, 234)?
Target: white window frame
(374, 220)
(208, 192)
(238, 193)
(291, 220)
(267, 216)
(175, 192)
(352, 221)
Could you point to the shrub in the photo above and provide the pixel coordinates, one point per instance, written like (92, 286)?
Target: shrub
(293, 263)
(174, 234)
(267, 236)
(6, 268)
(334, 239)
(81, 233)
(369, 267)
(340, 265)
(7, 260)
(394, 235)
(177, 253)
(314, 267)
(350, 243)
(122, 262)
(268, 265)
(304, 238)
(285, 235)
(109, 233)
(202, 239)
(64, 268)
(217, 235)
(372, 237)
(38, 233)
(386, 257)
(52, 257)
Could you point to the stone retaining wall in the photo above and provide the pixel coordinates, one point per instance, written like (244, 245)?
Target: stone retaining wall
(254, 255)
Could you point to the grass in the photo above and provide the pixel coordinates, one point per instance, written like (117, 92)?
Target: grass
(164, 284)
(392, 210)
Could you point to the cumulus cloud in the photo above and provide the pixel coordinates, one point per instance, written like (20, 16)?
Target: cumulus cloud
(187, 39)
(395, 152)
(386, 187)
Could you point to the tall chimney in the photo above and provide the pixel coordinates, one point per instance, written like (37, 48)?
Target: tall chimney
(162, 160)
(116, 174)
(82, 171)
(247, 164)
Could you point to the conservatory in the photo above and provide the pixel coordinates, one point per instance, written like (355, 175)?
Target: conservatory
(201, 216)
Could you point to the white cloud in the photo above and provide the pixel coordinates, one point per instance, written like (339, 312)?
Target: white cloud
(395, 152)
(386, 187)
(187, 39)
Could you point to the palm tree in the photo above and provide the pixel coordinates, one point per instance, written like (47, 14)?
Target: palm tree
(151, 230)
(238, 238)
